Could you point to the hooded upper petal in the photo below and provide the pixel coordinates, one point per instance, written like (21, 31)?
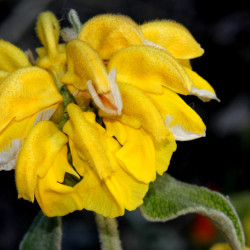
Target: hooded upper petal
(11, 57)
(52, 56)
(86, 71)
(27, 96)
(149, 69)
(174, 37)
(109, 33)
(85, 64)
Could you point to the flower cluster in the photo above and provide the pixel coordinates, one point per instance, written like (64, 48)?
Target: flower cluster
(90, 122)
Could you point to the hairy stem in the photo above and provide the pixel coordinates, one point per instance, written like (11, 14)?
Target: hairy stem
(108, 233)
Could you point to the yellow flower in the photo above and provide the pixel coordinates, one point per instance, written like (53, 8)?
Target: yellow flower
(120, 129)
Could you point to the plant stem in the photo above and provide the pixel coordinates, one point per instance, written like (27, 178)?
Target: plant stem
(108, 233)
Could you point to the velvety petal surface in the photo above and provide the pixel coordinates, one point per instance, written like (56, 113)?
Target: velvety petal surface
(201, 88)
(109, 33)
(137, 154)
(26, 92)
(182, 120)
(11, 57)
(149, 69)
(52, 56)
(85, 64)
(174, 37)
(36, 156)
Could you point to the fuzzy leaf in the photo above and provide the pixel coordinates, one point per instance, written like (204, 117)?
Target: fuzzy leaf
(168, 198)
(45, 233)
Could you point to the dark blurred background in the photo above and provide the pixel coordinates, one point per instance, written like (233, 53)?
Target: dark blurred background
(219, 161)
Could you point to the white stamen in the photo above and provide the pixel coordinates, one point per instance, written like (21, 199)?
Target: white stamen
(115, 92)
(179, 133)
(149, 43)
(97, 99)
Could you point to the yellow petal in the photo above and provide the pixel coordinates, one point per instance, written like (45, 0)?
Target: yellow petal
(3, 74)
(11, 57)
(54, 198)
(201, 87)
(141, 110)
(55, 63)
(109, 33)
(137, 154)
(87, 137)
(48, 31)
(182, 120)
(128, 192)
(11, 138)
(52, 57)
(26, 92)
(36, 156)
(174, 37)
(163, 153)
(96, 196)
(149, 69)
(185, 63)
(85, 64)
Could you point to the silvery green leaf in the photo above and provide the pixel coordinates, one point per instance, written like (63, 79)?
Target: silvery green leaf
(45, 233)
(168, 198)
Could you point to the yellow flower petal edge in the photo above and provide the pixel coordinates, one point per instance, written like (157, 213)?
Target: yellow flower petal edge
(181, 119)
(48, 31)
(46, 151)
(25, 92)
(201, 88)
(109, 33)
(11, 138)
(149, 69)
(55, 198)
(137, 150)
(53, 56)
(36, 157)
(87, 138)
(11, 57)
(163, 154)
(174, 37)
